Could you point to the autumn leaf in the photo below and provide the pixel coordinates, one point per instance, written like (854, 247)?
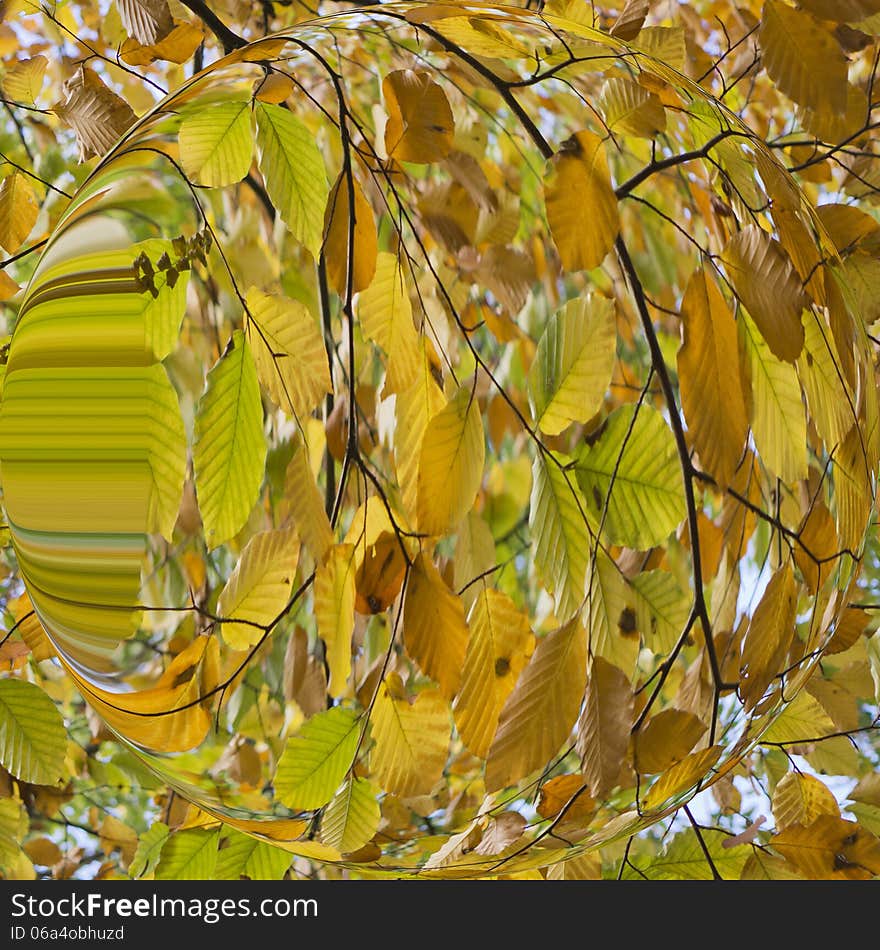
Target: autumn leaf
(347, 205)
(711, 389)
(420, 126)
(148, 21)
(96, 114)
(535, 721)
(435, 633)
(19, 208)
(583, 230)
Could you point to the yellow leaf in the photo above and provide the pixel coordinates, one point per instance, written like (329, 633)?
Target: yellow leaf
(799, 799)
(216, 143)
(8, 287)
(604, 726)
(612, 626)
(501, 641)
(414, 409)
(23, 81)
(852, 486)
(581, 205)
(842, 11)
(803, 58)
(779, 424)
(536, 719)
(802, 720)
(771, 291)
(830, 848)
(168, 716)
(816, 554)
(274, 88)
(30, 629)
(305, 506)
(666, 739)
(451, 464)
(709, 377)
(334, 613)
(630, 107)
(682, 776)
(352, 818)
(385, 314)
(568, 793)
(177, 47)
(360, 258)
(435, 633)
(420, 126)
(769, 636)
(18, 211)
(411, 741)
(289, 351)
(820, 371)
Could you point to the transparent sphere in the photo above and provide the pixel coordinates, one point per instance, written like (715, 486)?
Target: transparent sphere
(374, 406)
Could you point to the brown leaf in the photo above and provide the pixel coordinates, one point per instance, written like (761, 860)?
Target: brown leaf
(502, 831)
(304, 678)
(766, 283)
(337, 224)
(96, 114)
(604, 726)
(148, 21)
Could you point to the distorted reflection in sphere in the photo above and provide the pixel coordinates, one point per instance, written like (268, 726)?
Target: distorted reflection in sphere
(290, 524)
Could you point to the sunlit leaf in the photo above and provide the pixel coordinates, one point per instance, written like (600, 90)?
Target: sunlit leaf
(259, 587)
(501, 641)
(19, 208)
(294, 172)
(572, 367)
(229, 449)
(288, 351)
(353, 816)
(420, 124)
(799, 799)
(33, 740)
(216, 144)
(334, 613)
(708, 372)
(631, 478)
(451, 464)
(581, 204)
(535, 720)
(316, 760)
(435, 633)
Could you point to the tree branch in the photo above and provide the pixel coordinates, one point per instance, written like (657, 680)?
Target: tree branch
(229, 40)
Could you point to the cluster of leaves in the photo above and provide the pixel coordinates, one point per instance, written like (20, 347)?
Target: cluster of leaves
(534, 429)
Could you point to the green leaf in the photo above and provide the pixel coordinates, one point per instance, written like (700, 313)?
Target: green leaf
(245, 856)
(294, 172)
(684, 859)
(33, 740)
(315, 761)
(352, 817)
(573, 363)
(229, 449)
(633, 469)
(216, 143)
(558, 526)
(149, 850)
(189, 855)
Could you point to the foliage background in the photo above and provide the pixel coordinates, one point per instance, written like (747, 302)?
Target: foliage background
(801, 76)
